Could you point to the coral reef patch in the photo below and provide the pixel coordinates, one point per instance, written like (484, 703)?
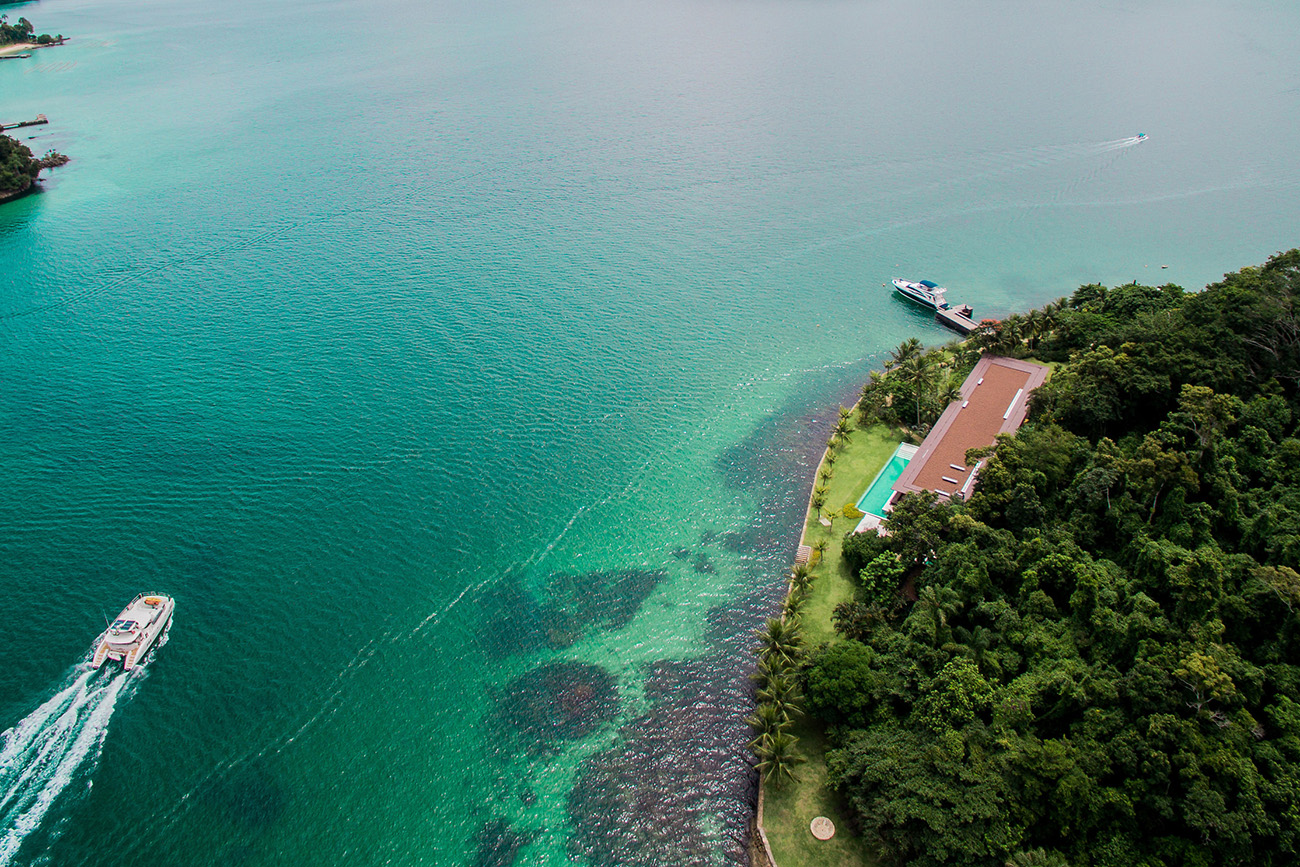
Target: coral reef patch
(560, 701)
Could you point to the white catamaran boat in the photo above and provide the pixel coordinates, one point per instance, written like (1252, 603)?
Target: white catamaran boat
(135, 630)
(925, 292)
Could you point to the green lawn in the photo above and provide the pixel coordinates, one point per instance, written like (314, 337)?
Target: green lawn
(856, 465)
(788, 811)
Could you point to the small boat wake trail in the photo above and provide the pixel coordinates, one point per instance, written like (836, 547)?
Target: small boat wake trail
(53, 746)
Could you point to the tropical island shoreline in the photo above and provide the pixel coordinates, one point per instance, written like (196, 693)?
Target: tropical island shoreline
(21, 36)
(20, 170)
(897, 694)
(21, 48)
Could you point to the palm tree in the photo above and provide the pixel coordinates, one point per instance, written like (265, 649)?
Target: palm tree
(977, 642)
(820, 547)
(919, 372)
(906, 351)
(1010, 333)
(783, 694)
(949, 392)
(830, 455)
(966, 353)
(818, 498)
(1053, 309)
(794, 601)
(766, 720)
(777, 758)
(770, 668)
(1037, 326)
(845, 412)
(875, 396)
(939, 605)
(801, 576)
(843, 428)
(824, 476)
(781, 639)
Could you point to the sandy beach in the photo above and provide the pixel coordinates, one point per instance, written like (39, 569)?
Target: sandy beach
(17, 48)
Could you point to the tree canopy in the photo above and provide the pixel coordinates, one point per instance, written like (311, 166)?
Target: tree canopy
(23, 31)
(1102, 666)
(18, 169)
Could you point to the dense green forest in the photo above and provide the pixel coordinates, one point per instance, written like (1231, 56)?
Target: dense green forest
(1102, 662)
(23, 31)
(18, 168)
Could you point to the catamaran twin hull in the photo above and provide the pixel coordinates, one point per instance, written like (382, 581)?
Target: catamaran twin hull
(135, 631)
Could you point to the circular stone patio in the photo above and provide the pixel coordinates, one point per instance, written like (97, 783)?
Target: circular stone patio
(822, 828)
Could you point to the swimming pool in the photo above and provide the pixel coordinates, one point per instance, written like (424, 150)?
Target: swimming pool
(881, 489)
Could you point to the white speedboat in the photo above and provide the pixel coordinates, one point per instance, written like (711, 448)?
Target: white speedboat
(925, 292)
(135, 631)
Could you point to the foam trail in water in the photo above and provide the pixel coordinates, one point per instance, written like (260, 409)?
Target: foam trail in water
(1121, 143)
(51, 747)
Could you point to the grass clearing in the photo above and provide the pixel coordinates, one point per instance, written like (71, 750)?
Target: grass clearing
(787, 811)
(856, 465)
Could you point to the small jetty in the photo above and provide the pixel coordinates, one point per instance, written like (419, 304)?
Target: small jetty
(13, 56)
(931, 295)
(40, 119)
(957, 318)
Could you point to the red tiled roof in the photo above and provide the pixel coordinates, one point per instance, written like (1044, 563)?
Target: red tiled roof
(994, 400)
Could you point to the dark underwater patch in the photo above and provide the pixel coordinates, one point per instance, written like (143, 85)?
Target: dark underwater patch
(679, 772)
(560, 701)
(499, 843)
(250, 798)
(678, 787)
(703, 565)
(517, 621)
(573, 605)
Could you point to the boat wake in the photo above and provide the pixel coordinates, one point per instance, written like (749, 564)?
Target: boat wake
(1121, 143)
(53, 746)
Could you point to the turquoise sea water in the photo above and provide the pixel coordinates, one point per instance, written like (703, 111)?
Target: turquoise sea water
(460, 369)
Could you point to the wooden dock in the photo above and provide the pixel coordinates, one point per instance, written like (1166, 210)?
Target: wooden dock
(40, 119)
(958, 319)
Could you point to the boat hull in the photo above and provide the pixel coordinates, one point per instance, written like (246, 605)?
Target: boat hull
(149, 615)
(929, 297)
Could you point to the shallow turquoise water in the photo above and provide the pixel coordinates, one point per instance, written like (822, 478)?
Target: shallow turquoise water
(414, 347)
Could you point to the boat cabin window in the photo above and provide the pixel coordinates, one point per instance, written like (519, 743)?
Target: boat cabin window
(123, 625)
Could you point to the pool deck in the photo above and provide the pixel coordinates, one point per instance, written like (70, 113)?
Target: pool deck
(871, 520)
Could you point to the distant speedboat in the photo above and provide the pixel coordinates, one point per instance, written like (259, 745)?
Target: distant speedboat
(1142, 136)
(135, 630)
(925, 292)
